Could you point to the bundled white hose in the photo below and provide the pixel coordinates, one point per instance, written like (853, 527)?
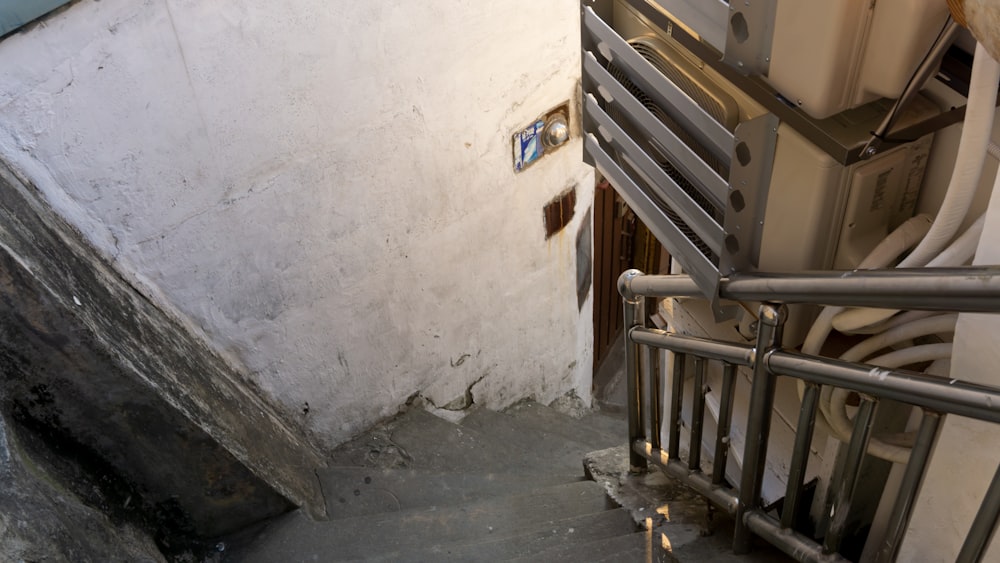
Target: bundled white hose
(900, 319)
(841, 424)
(964, 247)
(958, 252)
(937, 324)
(898, 242)
(969, 162)
(972, 150)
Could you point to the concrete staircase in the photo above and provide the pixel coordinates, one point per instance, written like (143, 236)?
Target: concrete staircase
(504, 486)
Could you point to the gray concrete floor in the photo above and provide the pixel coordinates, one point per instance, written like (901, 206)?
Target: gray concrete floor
(496, 486)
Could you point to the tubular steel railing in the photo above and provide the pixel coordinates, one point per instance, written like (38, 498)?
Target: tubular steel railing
(959, 289)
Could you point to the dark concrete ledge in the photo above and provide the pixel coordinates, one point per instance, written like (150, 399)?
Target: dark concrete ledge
(87, 359)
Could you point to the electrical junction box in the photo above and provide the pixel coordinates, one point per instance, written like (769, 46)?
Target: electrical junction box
(545, 134)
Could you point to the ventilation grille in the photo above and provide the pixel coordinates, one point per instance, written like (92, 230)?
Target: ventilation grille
(706, 101)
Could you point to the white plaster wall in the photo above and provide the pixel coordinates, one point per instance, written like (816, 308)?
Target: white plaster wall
(324, 188)
(967, 453)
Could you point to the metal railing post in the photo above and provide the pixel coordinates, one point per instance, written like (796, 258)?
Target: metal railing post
(654, 377)
(635, 316)
(800, 454)
(770, 322)
(856, 450)
(983, 526)
(725, 418)
(916, 467)
(697, 415)
(676, 400)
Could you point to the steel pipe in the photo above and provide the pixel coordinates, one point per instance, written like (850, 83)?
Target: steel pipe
(634, 310)
(770, 321)
(966, 290)
(913, 477)
(653, 377)
(800, 454)
(852, 470)
(983, 526)
(791, 542)
(697, 415)
(725, 421)
(676, 399)
(721, 496)
(730, 352)
(930, 392)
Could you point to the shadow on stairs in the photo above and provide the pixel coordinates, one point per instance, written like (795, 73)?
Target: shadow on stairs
(497, 486)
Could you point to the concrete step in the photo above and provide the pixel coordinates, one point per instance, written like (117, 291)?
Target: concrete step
(595, 428)
(626, 548)
(596, 526)
(418, 439)
(529, 432)
(359, 491)
(295, 537)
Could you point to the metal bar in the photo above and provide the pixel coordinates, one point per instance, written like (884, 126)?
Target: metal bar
(983, 526)
(974, 289)
(791, 542)
(729, 352)
(723, 497)
(703, 270)
(688, 114)
(755, 87)
(654, 377)
(691, 214)
(852, 469)
(634, 316)
(770, 322)
(697, 415)
(916, 467)
(676, 398)
(938, 394)
(749, 184)
(750, 51)
(708, 18)
(725, 420)
(682, 155)
(928, 67)
(800, 454)
(925, 289)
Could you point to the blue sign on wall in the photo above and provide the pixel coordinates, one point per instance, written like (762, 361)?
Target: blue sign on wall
(528, 145)
(15, 13)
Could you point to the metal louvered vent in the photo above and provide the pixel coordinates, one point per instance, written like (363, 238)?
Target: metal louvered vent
(653, 53)
(666, 132)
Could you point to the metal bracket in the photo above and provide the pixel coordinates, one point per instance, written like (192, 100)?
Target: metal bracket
(749, 34)
(749, 180)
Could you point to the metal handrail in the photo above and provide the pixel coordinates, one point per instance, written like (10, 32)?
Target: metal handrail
(972, 289)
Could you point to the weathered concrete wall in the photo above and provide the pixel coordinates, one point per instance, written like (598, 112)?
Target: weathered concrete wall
(112, 384)
(42, 521)
(324, 189)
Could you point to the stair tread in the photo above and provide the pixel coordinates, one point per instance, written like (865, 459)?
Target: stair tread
(596, 428)
(359, 491)
(626, 548)
(536, 443)
(418, 439)
(295, 537)
(594, 526)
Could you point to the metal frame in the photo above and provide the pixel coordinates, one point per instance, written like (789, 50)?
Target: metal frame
(710, 52)
(749, 35)
(748, 154)
(959, 289)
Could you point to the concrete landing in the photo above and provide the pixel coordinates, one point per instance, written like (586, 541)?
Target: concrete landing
(498, 486)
